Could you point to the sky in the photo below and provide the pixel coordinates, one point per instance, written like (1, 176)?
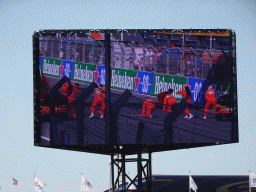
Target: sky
(60, 169)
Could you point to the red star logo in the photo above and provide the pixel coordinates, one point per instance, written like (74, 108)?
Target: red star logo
(96, 73)
(187, 85)
(137, 80)
(61, 68)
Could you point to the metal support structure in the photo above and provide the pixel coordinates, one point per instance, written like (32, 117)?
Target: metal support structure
(183, 56)
(167, 71)
(144, 174)
(233, 71)
(83, 56)
(134, 55)
(108, 82)
(80, 111)
(155, 57)
(51, 48)
(54, 135)
(144, 58)
(195, 61)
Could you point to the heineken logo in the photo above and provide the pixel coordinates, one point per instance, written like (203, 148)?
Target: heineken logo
(83, 74)
(51, 69)
(121, 81)
(161, 86)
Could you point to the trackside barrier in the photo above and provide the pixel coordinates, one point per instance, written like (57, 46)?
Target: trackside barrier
(80, 111)
(135, 81)
(54, 135)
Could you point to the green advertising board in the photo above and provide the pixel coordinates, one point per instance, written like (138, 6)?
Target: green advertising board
(51, 67)
(123, 79)
(83, 72)
(162, 83)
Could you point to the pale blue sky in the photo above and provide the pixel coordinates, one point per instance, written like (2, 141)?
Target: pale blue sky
(60, 169)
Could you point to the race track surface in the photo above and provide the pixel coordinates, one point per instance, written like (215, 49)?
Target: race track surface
(195, 130)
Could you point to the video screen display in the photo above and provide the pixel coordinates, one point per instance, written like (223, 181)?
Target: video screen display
(165, 87)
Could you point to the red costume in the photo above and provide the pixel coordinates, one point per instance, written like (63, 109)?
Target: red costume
(103, 100)
(210, 100)
(99, 100)
(65, 89)
(148, 104)
(44, 89)
(71, 96)
(169, 100)
(184, 93)
(161, 97)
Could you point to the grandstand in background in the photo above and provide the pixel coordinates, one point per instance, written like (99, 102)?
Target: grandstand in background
(159, 53)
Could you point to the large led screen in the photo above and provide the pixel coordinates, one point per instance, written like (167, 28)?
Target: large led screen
(135, 88)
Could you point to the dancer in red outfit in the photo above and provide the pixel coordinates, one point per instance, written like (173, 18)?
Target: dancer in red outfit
(169, 101)
(99, 100)
(148, 104)
(103, 97)
(160, 98)
(187, 96)
(210, 100)
(70, 94)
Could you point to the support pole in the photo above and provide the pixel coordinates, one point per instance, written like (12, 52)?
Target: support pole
(108, 132)
(145, 170)
(112, 172)
(150, 171)
(183, 56)
(123, 172)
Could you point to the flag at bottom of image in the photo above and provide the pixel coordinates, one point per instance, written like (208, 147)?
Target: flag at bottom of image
(85, 185)
(252, 179)
(192, 184)
(38, 185)
(14, 181)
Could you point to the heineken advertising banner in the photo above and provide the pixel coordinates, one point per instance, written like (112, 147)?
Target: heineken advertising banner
(66, 68)
(51, 66)
(162, 83)
(124, 79)
(135, 81)
(84, 72)
(198, 87)
(145, 82)
(101, 75)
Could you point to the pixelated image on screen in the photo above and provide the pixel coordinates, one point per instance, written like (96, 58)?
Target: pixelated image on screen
(166, 87)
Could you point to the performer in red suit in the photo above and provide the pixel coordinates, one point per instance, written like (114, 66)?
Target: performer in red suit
(210, 100)
(187, 96)
(44, 89)
(99, 101)
(65, 89)
(169, 101)
(103, 97)
(70, 94)
(148, 104)
(161, 97)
